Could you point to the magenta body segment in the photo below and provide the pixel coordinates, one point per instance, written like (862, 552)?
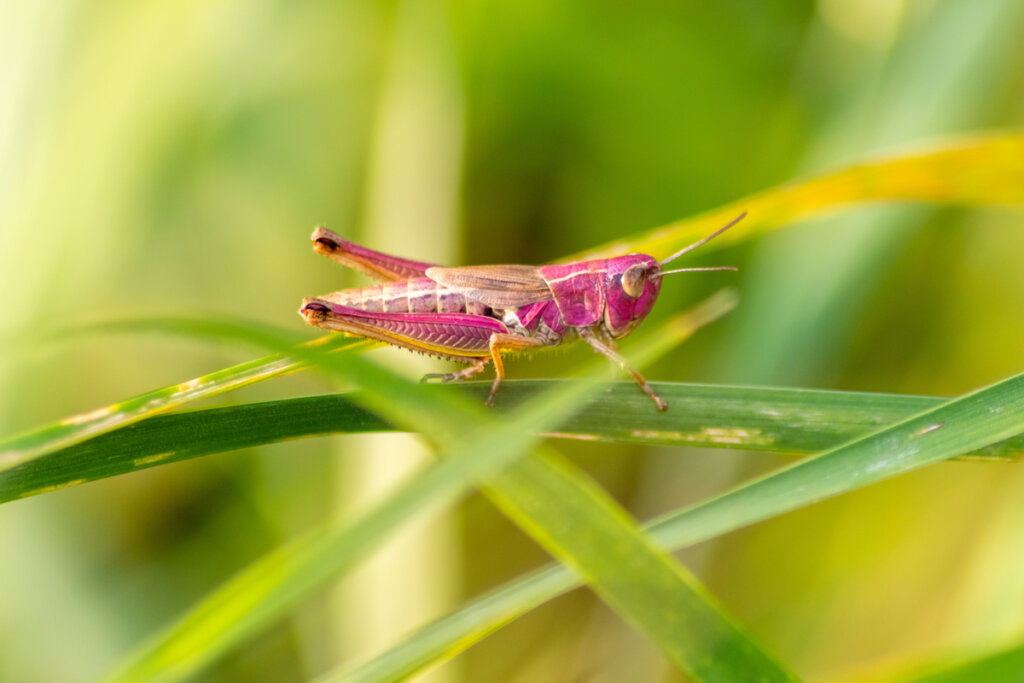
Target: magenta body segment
(542, 320)
(578, 290)
(530, 314)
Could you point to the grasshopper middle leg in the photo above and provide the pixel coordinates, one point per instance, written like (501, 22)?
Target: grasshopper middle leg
(497, 344)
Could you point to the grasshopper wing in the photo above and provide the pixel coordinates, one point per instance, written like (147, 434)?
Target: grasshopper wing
(496, 286)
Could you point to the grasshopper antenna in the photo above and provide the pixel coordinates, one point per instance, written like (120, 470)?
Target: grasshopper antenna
(696, 270)
(707, 239)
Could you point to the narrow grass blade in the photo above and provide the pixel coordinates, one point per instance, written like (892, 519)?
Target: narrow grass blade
(77, 428)
(580, 524)
(961, 425)
(751, 418)
(622, 563)
(985, 169)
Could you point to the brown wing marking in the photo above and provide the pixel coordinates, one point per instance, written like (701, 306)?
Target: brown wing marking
(495, 286)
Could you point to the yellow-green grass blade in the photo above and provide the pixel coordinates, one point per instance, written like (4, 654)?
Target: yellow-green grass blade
(954, 427)
(1002, 665)
(752, 418)
(605, 546)
(978, 170)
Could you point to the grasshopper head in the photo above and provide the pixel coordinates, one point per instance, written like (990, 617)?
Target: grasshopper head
(632, 288)
(634, 281)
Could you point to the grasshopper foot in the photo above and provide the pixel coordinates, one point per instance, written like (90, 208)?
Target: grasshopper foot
(445, 377)
(494, 389)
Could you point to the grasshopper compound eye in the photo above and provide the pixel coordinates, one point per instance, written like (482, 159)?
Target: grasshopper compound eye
(327, 243)
(633, 280)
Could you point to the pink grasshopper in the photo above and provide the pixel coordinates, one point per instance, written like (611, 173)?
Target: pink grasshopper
(473, 314)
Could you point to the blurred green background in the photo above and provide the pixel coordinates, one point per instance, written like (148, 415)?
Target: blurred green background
(173, 157)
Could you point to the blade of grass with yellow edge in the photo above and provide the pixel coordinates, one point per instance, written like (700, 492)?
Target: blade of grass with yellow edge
(980, 170)
(23, 448)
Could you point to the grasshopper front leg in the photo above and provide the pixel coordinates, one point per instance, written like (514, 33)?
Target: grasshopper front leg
(587, 335)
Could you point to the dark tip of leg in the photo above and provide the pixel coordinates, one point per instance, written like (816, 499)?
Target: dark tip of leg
(315, 307)
(494, 390)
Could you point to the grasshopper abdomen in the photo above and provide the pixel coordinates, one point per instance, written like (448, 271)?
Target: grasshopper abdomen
(415, 295)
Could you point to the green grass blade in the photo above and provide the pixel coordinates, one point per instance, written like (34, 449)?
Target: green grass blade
(23, 448)
(979, 170)
(624, 566)
(958, 426)
(752, 418)
(77, 428)
(580, 524)
(962, 425)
